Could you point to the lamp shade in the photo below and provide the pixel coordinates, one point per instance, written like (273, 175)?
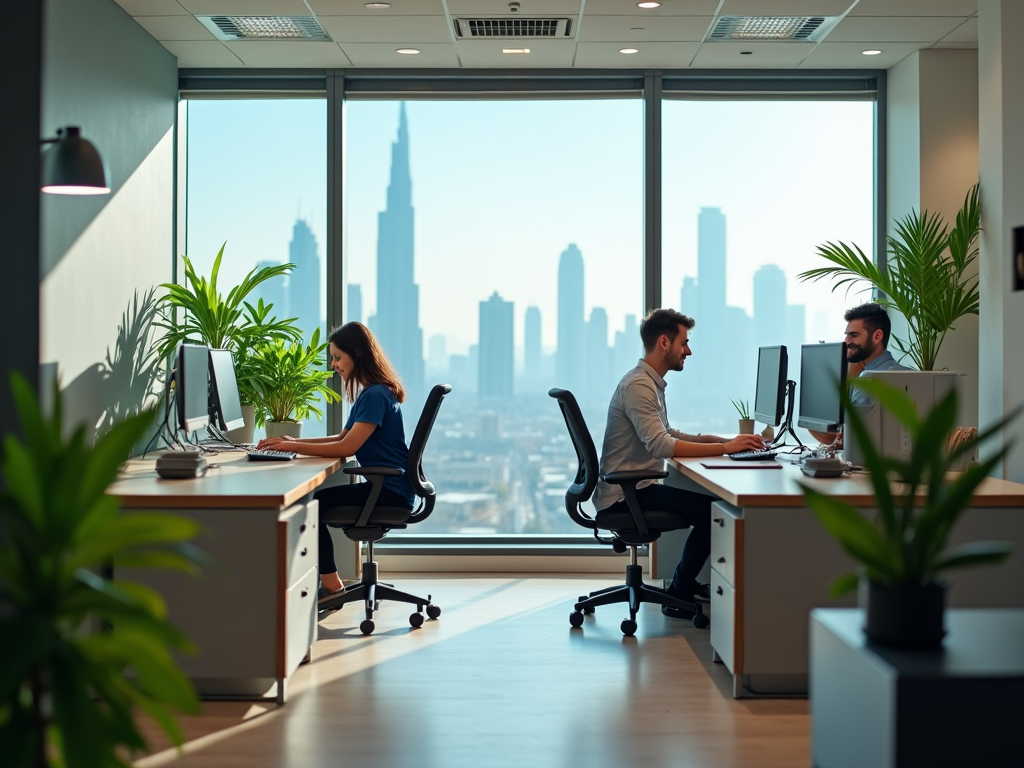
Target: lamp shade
(72, 166)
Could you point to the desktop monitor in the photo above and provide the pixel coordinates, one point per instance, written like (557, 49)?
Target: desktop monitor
(822, 373)
(224, 401)
(770, 396)
(192, 387)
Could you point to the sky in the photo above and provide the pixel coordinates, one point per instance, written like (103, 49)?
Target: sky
(501, 188)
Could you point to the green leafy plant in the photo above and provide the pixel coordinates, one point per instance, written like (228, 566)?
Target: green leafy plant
(742, 408)
(224, 322)
(925, 277)
(292, 378)
(65, 697)
(907, 543)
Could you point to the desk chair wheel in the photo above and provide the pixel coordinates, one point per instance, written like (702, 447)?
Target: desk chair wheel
(433, 611)
(700, 619)
(366, 627)
(628, 627)
(576, 619)
(416, 620)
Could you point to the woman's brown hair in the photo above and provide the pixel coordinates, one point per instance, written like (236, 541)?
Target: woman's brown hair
(370, 364)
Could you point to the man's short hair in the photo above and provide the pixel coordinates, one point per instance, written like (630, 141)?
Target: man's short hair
(875, 317)
(663, 322)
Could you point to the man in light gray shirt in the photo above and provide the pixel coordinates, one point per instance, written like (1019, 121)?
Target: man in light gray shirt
(638, 436)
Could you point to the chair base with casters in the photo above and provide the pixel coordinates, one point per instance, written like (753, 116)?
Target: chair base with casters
(371, 592)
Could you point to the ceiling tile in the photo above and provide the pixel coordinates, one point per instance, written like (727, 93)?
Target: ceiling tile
(883, 29)
(849, 56)
(527, 8)
(915, 8)
(543, 53)
(201, 54)
(153, 7)
(622, 29)
(174, 28)
(785, 7)
(400, 29)
(965, 33)
(357, 8)
(763, 56)
(247, 7)
(288, 53)
(667, 8)
(383, 55)
(667, 55)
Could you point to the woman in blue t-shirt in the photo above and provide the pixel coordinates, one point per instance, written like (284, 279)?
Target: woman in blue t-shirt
(374, 434)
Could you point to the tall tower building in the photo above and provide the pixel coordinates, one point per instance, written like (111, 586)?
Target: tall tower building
(711, 267)
(397, 319)
(354, 303)
(496, 355)
(597, 357)
(271, 291)
(769, 306)
(531, 345)
(571, 322)
(628, 347)
(304, 280)
(688, 297)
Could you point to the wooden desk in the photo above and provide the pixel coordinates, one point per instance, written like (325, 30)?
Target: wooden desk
(772, 563)
(252, 614)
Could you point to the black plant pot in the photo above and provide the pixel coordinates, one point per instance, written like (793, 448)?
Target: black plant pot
(906, 615)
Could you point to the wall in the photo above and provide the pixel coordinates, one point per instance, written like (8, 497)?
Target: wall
(932, 162)
(100, 256)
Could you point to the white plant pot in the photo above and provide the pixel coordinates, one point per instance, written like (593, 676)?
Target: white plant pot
(284, 429)
(244, 434)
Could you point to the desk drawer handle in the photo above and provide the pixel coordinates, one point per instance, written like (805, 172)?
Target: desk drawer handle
(306, 592)
(719, 591)
(302, 528)
(303, 552)
(721, 559)
(720, 521)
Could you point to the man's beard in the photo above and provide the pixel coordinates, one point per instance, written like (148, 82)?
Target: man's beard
(862, 353)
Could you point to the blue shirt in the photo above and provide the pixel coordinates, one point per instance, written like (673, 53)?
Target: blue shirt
(884, 362)
(385, 447)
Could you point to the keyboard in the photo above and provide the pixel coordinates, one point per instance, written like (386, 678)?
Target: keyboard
(271, 455)
(752, 455)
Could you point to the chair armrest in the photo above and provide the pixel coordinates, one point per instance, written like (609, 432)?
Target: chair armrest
(633, 476)
(373, 471)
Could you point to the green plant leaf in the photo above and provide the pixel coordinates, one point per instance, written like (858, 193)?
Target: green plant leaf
(975, 553)
(844, 584)
(855, 534)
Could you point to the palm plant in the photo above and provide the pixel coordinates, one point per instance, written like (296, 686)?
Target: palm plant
(222, 322)
(925, 277)
(292, 379)
(65, 698)
(742, 408)
(907, 543)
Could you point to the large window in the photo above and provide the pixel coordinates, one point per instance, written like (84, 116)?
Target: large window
(750, 188)
(257, 181)
(498, 246)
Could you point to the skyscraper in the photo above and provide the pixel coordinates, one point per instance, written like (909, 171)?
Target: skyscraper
(496, 347)
(596, 357)
(569, 356)
(354, 304)
(628, 347)
(769, 306)
(531, 345)
(271, 291)
(711, 267)
(304, 280)
(688, 297)
(397, 319)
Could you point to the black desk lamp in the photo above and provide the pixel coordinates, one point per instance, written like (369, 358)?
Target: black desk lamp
(72, 166)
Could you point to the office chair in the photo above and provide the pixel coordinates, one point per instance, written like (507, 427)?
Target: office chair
(629, 530)
(372, 523)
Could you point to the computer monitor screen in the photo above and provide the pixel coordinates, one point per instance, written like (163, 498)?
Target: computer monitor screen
(224, 400)
(822, 372)
(770, 396)
(191, 380)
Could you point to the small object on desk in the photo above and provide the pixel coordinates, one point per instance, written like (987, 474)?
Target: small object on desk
(719, 464)
(181, 465)
(823, 467)
(267, 455)
(752, 455)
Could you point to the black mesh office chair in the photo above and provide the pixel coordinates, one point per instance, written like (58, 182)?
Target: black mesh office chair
(372, 523)
(629, 529)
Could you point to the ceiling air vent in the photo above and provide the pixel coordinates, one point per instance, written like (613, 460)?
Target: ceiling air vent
(770, 28)
(264, 28)
(506, 29)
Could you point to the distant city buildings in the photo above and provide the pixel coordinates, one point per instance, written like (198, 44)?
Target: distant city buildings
(354, 303)
(304, 291)
(569, 371)
(497, 355)
(533, 352)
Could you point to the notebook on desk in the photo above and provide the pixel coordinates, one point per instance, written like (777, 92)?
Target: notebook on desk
(740, 464)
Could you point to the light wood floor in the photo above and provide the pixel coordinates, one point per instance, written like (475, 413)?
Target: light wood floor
(501, 680)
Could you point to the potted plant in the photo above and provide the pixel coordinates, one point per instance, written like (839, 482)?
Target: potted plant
(743, 409)
(291, 380)
(925, 277)
(68, 635)
(225, 322)
(903, 552)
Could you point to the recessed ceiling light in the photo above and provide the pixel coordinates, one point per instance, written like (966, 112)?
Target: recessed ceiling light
(648, 4)
(515, 50)
(407, 51)
(629, 50)
(872, 52)
(377, 6)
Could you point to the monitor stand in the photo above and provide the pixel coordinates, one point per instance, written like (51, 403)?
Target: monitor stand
(787, 423)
